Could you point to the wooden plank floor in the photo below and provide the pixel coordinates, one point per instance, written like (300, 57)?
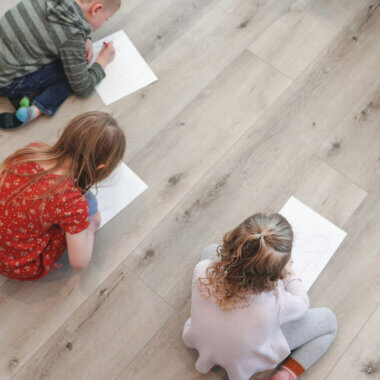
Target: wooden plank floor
(257, 100)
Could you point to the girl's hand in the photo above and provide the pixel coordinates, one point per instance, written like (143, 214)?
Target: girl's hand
(95, 222)
(288, 270)
(107, 55)
(89, 51)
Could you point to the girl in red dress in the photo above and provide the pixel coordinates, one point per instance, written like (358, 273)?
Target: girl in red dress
(43, 191)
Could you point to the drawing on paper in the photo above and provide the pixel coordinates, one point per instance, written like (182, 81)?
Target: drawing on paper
(315, 240)
(127, 73)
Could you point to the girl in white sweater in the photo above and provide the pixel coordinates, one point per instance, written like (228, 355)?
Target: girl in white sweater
(249, 311)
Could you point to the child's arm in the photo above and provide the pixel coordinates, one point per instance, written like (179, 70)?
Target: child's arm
(80, 245)
(294, 301)
(83, 80)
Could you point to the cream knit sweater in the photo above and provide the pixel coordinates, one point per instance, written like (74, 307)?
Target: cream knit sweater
(245, 340)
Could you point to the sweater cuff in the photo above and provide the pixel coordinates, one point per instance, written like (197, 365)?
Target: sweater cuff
(99, 71)
(291, 279)
(286, 280)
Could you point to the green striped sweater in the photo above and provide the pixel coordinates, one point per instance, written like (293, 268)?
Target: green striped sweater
(38, 32)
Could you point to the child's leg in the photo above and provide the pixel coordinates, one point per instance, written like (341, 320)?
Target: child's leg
(51, 82)
(92, 204)
(210, 252)
(308, 338)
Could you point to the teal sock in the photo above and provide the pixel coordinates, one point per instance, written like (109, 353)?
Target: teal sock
(25, 114)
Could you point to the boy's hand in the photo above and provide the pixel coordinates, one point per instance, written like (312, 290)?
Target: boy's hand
(89, 51)
(107, 55)
(95, 222)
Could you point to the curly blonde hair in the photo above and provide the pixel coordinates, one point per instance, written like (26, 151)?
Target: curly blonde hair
(252, 259)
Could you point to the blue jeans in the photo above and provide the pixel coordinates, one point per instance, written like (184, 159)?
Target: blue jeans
(92, 204)
(49, 81)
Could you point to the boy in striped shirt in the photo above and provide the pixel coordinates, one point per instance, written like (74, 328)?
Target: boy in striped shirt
(45, 49)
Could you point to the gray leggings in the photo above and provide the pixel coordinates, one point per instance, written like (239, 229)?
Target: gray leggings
(308, 337)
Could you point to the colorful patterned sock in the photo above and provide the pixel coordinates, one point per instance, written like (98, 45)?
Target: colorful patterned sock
(19, 101)
(9, 121)
(25, 114)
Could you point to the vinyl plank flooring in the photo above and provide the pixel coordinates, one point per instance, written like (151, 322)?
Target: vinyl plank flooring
(5, 5)
(361, 360)
(326, 191)
(98, 340)
(293, 41)
(296, 38)
(165, 356)
(349, 285)
(3, 279)
(353, 148)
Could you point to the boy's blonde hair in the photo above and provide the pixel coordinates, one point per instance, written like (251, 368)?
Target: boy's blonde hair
(252, 259)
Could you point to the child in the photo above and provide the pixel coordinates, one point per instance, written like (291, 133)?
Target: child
(249, 311)
(42, 207)
(45, 49)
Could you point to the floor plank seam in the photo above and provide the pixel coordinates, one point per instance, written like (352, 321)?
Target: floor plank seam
(352, 340)
(270, 65)
(338, 171)
(146, 344)
(148, 286)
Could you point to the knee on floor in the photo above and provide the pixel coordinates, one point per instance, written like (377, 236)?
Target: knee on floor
(331, 320)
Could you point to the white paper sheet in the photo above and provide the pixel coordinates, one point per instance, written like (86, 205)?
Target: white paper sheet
(127, 73)
(315, 240)
(117, 191)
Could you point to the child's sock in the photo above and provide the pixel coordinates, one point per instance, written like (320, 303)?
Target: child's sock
(9, 121)
(290, 370)
(15, 120)
(25, 114)
(19, 101)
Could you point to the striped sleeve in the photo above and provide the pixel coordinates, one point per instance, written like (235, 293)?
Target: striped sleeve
(82, 79)
(294, 301)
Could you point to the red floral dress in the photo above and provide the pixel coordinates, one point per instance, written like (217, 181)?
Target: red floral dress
(32, 230)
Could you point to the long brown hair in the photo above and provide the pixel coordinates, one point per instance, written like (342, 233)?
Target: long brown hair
(93, 142)
(252, 259)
